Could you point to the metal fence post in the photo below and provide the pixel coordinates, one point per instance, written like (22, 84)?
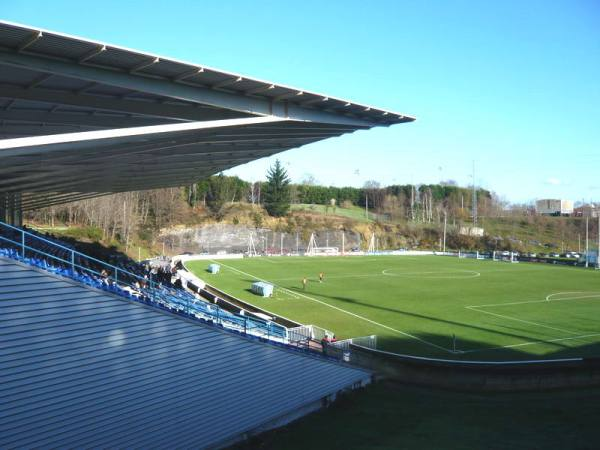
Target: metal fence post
(245, 325)
(73, 261)
(116, 275)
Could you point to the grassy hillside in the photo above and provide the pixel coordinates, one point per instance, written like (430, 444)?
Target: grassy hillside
(525, 233)
(355, 213)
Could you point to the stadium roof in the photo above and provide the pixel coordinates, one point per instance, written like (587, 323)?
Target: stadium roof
(81, 118)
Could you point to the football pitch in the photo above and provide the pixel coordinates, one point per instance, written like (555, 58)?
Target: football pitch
(430, 306)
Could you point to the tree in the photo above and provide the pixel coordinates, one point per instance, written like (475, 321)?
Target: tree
(277, 191)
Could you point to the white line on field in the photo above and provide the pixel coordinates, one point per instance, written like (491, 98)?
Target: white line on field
(585, 295)
(345, 312)
(266, 259)
(546, 300)
(583, 336)
(473, 308)
(327, 277)
(451, 274)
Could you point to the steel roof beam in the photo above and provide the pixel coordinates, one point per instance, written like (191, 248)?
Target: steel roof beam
(89, 55)
(30, 41)
(166, 88)
(37, 144)
(96, 121)
(189, 74)
(143, 65)
(259, 90)
(228, 82)
(140, 107)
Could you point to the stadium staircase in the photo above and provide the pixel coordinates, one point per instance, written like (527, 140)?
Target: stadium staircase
(89, 361)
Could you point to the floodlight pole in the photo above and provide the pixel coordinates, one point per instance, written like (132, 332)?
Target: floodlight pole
(444, 241)
(598, 254)
(587, 246)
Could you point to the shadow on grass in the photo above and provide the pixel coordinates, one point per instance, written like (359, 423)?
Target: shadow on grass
(475, 350)
(390, 415)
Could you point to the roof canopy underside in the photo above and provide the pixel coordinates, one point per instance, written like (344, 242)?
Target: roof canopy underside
(81, 118)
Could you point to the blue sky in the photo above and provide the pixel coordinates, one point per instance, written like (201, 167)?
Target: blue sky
(513, 85)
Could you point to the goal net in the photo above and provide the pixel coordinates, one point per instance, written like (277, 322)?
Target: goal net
(472, 255)
(314, 250)
(509, 257)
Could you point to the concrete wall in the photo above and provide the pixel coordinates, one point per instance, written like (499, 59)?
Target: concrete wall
(234, 238)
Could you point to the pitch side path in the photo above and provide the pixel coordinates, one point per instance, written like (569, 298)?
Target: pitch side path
(431, 305)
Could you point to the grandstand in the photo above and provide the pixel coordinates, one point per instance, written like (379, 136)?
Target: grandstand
(80, 119)
(85, 368)
(99, 352)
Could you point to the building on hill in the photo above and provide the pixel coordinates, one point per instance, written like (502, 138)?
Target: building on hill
(472, 231)
(554, 207)
(589, 210)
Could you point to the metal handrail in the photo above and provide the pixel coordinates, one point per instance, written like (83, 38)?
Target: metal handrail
(153, 290)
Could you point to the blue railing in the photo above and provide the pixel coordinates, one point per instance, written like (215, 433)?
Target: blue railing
(51, 256)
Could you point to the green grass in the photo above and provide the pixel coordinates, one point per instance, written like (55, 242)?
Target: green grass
(415, 304)
(392, 416)
(354, 212)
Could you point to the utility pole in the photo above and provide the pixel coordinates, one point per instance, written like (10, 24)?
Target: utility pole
(587, 247)
(297, 244)
(444, 241)
(412, 201)
(474, 198)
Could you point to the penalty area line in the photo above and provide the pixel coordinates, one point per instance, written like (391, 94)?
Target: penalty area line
(523, 344)
(403, 333)
(588, 295)
(502, 316)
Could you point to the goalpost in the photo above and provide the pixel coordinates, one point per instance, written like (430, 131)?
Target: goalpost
(251, 247)
(372, 247)
(314, 250)
(473, 255)
(511, 258)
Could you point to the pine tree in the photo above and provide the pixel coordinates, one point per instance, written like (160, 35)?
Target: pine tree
(277, 191)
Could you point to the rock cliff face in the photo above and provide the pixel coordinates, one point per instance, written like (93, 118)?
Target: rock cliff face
(213, 238)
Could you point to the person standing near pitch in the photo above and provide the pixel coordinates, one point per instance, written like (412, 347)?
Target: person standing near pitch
(321, 275)
(304, 281)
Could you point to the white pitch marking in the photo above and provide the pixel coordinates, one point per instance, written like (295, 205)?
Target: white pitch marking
(546, 300)
(266, 259)
(327, 277)
(346, 312)
(451, 274)
(586, 295)
(583, 336)
(519, 320)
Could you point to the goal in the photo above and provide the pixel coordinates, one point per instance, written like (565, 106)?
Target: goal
(510, 257)
(314, 250)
